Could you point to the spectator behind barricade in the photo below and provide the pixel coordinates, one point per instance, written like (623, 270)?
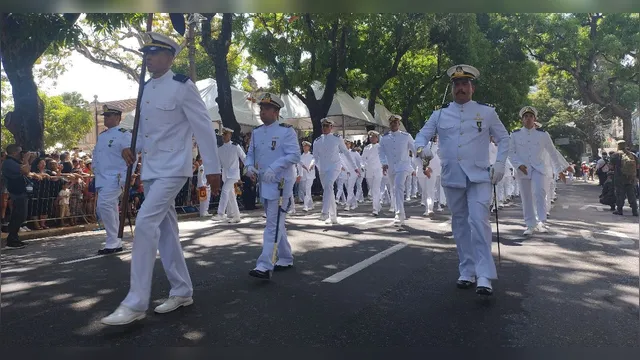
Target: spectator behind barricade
(15, 169)
(76, 207)
(41, 203)
(608, 195)
(65, 161)
(64, 197)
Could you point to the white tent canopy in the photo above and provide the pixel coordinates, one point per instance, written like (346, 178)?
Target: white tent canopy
(347, 114)
(382, 113)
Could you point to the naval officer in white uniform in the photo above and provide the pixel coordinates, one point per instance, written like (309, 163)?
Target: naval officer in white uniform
(536, 159)
(230, 154)
(110, 171)
(464, 127)
(373, 170)
(171, 111)
(308, 166)
(273, 152)
(394, 157)
(326, 150)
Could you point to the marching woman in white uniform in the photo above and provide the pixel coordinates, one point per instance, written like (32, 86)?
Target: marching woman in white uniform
(308, 165)
(464, 127)
(171, 111)
(230, 155)
(394, 157)
(373, 170)
(327, 151)
(535, 158)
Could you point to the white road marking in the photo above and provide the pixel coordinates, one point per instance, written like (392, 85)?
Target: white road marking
(587, 235)
(363, 264)
(92, 257)
(624, 239)
(585, 207)
(565, 207)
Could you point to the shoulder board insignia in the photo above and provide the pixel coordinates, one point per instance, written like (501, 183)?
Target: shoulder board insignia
(181, 78)
(539, 129)
(286, 125)
(104, 131)
(516, 130)
(485, 104)
(258, 127)
(123, 130)
(336, 134)
(146, 82)
(443, 106)
(234, 143)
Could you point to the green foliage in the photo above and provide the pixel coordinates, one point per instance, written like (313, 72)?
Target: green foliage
(64, 121)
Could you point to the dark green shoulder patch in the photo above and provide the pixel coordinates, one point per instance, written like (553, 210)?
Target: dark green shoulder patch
(485, 104)
(516, 130)
(259, 126)
(123, 130)
(286, 125)
(181, 78)
(539, 129)
(336, 134)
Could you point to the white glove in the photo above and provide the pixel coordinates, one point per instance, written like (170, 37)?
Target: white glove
(269, 176)
(497, 172)
(425, 153)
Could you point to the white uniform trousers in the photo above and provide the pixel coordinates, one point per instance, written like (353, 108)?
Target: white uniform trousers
(471, 228)
(157, 230)
(398, 180)
(228, 200)
(373, 183)
(204, 204)
(427, 191)
(306, 185)
(414, 186)
(341, 181)
(284, 256)
(352, 201)
(551, 191)
(407, 187)
(107, 208)
(359, 192)
(385, 190)
(328, 196)
(533, 193)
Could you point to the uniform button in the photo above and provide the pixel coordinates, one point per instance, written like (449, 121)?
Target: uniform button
(459, 159)
(146, 136)
(461, 132)
(147, 101)
(460, 145)
(145, 151)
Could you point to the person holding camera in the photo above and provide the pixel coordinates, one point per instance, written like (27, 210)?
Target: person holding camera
(15, 170)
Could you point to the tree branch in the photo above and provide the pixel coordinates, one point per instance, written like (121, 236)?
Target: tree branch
(131, 73)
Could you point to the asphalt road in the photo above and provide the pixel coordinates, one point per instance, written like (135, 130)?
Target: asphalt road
(576, 286)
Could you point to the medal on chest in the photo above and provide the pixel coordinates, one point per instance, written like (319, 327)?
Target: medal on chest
(110, 141)
(274, 142)
(478, 120)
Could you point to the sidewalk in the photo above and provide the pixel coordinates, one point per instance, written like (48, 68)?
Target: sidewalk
(66, 230)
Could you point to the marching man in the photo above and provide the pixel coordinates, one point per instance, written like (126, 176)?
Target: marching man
(394, 157)
(230, 155)
(308, 165)
(110, 171)
(171, 111)
(327, 150)
(536, 160)
(464, 127)
(352, 179)
(272, 154)
(373, 170)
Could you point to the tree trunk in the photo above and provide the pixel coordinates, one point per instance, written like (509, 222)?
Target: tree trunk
(27, 119)
(19, 53)
(217, 49)
(191, 41)
(373, 95)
